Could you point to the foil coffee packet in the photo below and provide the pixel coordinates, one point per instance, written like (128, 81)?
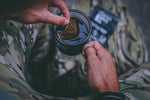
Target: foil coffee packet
(70, 31)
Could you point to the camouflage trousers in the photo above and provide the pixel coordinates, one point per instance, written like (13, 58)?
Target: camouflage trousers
(31, 67)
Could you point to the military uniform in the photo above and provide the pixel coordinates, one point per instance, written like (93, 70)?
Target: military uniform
(32, 68)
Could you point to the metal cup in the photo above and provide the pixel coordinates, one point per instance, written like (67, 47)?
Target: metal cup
(70, 48)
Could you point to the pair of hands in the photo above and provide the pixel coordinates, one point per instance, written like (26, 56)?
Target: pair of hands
(100, 65)
(33, 11)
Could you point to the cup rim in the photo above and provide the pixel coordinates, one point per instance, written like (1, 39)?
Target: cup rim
(89, 33)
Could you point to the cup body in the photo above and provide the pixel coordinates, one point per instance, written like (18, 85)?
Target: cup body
(74, 48)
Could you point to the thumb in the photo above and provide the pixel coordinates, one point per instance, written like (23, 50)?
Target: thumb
(48, 17)
(90, 52)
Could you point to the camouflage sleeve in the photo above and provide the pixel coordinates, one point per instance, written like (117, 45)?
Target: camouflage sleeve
(16, 42)
(135, 84)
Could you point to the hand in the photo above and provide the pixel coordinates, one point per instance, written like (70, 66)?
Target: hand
(32, 11)
(100, 67)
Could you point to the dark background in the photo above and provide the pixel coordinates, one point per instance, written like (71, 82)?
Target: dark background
(140, 11)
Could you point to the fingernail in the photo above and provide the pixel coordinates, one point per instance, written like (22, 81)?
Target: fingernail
(66, 22)
(87, 46)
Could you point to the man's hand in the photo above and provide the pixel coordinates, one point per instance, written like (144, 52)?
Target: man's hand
(32, 11)
(100, 67)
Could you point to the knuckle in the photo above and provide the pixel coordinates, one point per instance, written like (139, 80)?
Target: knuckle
(108, 54)
(89, 50)
(96, 42)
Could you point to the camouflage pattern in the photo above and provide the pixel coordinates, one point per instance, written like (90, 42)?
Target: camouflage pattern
(25, 46)
(135, 84)
(130, 50)
(15, 48)
(126, 43)
(31, 66)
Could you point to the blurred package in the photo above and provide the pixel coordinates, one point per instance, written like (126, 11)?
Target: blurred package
(103, 24)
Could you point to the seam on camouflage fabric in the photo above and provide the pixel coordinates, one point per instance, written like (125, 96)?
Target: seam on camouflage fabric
(125, 53)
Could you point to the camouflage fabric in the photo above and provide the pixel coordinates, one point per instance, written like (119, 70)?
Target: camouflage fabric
(31, 66)
(53, 71)
(131, 50)
(126, 43)
(15, 48)
(18, 42)
(135, 84)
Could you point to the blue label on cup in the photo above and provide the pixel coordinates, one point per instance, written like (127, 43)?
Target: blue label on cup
(103, 24)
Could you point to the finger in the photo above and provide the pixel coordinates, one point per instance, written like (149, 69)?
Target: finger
(84, 48)
(48, 17)
(61, 4)
(85, 66)
(83, 54)
(90, 52)
(96, 45)
(100, 50)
